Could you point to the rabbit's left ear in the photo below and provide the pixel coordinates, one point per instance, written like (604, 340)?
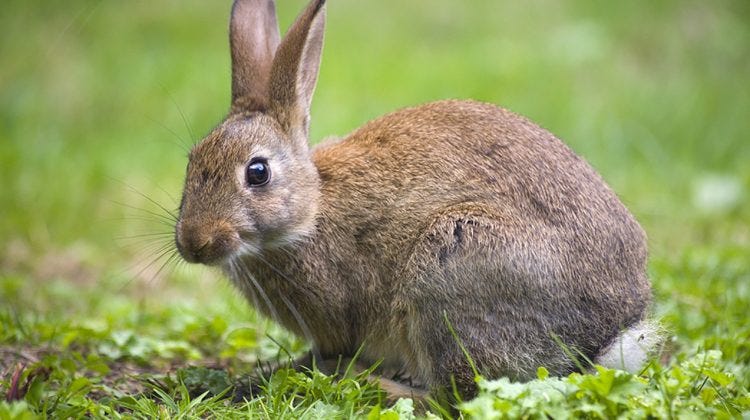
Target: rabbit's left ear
(295, 70)
(253, 39)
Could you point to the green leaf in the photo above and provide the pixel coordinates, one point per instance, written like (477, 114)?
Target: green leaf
(17, 410)
(374, 414)
(79, 385)
(722, 378)
(200, 379)
(35, 392)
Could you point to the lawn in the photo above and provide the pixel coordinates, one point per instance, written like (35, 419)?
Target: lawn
(100, 102)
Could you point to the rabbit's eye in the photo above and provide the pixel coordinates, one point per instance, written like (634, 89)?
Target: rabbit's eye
(257, 173)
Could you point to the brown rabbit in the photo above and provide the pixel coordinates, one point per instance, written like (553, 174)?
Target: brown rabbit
(451, 214)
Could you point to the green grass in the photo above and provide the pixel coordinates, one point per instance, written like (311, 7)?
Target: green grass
(100, 100)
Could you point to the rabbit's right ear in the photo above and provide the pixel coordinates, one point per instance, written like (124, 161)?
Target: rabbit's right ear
(253, 39)
(295, 70)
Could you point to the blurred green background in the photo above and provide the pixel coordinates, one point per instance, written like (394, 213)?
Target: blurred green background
(100, 101)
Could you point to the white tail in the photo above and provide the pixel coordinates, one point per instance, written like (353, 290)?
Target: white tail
(633, 347)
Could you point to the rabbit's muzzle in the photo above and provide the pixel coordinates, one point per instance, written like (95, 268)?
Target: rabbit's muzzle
(208, 245)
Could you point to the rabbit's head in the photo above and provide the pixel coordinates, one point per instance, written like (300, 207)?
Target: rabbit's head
(251, 184)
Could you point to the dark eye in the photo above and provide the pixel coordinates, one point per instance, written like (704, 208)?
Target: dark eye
(257, 173)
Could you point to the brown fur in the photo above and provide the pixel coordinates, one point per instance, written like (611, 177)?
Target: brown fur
(452, 210)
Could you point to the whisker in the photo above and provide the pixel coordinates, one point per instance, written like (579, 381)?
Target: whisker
(155, 251)
(182, 114)
(152, 248)
(171, 197)
(141, 242)
(157, 246)
(147, 235)
(271, 308)
(83, 16)
(175, 201)
(171, 213)
(167, 218)
(179, 143)
(293, 309)
(174, 256)
(179, 263)
(132, 218)
(135, 190)
(304, 327)
(159, 255)
(276, 270)
(145, 239)
(237, 273)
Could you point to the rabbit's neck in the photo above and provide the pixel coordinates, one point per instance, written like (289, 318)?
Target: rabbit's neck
(302, 296)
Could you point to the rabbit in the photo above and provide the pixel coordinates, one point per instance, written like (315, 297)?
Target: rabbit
(434, 240)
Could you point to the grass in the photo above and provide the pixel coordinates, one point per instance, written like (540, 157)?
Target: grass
(99, 102)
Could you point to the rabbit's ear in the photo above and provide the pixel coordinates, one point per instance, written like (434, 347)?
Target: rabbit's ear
(295, 69)
(253, 39)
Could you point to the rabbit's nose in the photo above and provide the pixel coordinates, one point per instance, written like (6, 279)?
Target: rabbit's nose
(191, 243)
(205, 245)
(198, 252)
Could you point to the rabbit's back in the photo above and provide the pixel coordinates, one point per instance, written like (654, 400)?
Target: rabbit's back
(398, 170)
(570, 238)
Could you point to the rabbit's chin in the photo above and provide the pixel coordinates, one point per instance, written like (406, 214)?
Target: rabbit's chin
(251, 246)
